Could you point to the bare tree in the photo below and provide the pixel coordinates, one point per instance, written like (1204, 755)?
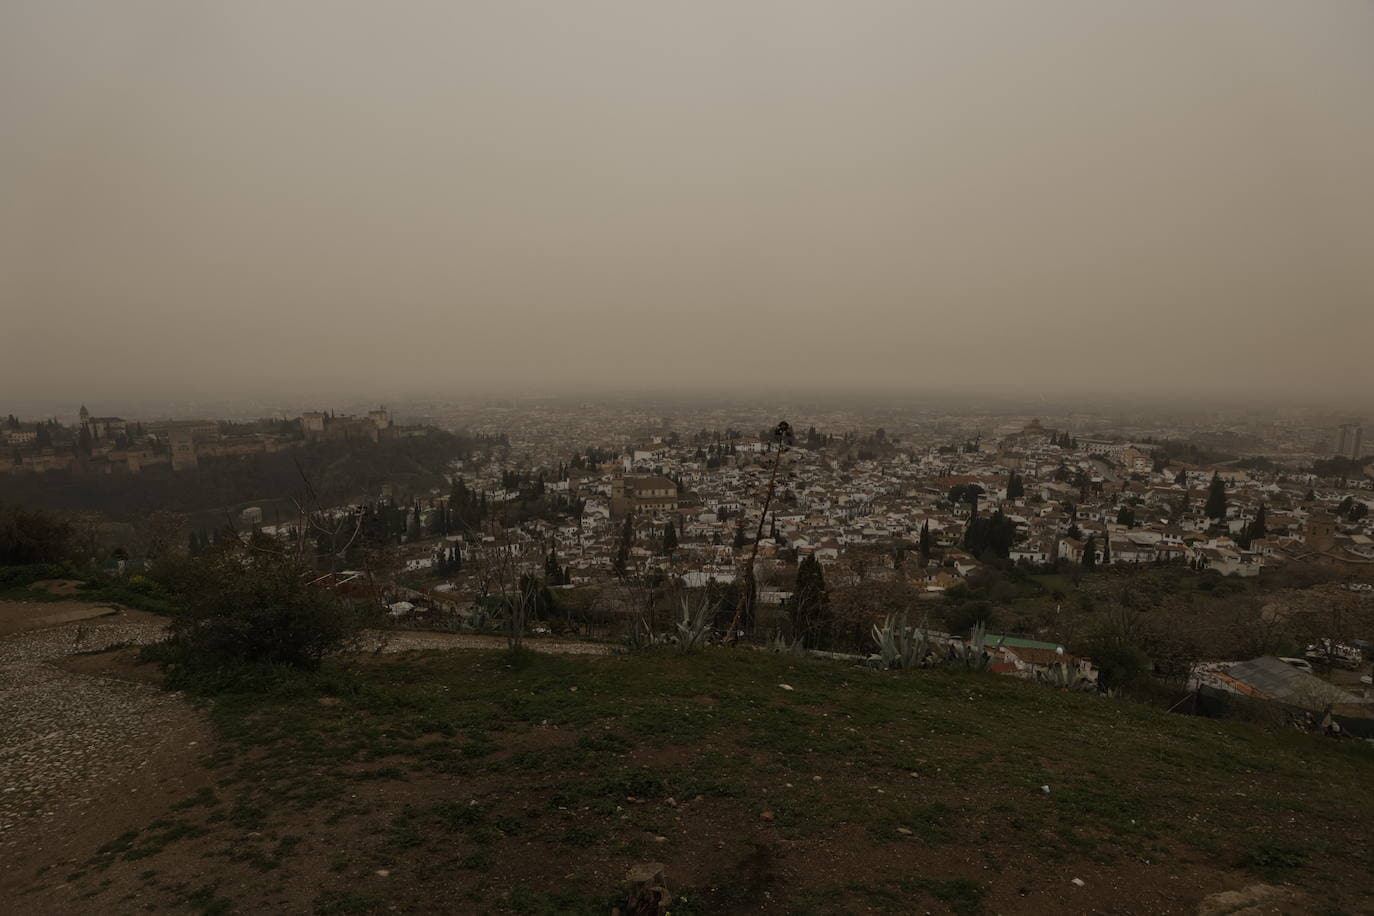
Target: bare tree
(331, 536)
(782, 441)
(506, 567)
(157, 532)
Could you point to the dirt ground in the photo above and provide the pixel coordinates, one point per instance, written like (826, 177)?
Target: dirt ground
(77, 742)
(91, 747)
(17, 616)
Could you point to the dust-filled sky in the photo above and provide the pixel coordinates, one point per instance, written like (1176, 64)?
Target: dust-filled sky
(281, 195)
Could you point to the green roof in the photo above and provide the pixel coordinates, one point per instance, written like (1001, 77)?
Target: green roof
(1018, 642)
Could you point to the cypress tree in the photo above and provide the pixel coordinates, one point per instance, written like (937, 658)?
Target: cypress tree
(1015, 487)
(622, 554)
(1216, 498)
(808, 611)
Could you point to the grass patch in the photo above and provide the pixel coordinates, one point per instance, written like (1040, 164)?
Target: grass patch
(496, 780)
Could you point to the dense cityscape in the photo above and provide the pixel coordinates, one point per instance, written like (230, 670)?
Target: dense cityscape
(591, 502)
(687, 459)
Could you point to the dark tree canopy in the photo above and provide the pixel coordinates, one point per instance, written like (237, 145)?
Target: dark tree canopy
(1216, 498)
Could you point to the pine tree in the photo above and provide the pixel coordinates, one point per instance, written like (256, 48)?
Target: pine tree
(1090, 553)
(669, 539)
(925, 540)
(739, 541)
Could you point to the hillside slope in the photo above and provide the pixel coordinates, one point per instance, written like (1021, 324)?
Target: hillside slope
(476, 781)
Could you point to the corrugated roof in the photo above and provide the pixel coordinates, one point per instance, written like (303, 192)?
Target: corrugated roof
(1280, 681)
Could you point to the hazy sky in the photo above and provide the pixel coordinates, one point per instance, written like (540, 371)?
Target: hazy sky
(431, 196)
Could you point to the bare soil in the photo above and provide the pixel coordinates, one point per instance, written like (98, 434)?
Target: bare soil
(343, 802)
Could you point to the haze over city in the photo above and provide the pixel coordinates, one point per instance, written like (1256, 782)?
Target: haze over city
(1099, 197)
(635, 457)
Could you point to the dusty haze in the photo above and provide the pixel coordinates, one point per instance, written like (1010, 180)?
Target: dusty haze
(249, 196)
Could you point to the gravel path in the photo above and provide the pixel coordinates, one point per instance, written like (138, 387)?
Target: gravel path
(66, 736)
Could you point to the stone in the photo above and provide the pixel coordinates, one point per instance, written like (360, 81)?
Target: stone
(648, 893)
(645, 873)
(1254, 900)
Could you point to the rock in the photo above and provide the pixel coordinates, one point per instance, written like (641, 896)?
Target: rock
(1079, 882)
(382, 873)
(645, 873)
(648, 890)
(1253, 900)
(785, 686)
(904, 831)
(1045, 789)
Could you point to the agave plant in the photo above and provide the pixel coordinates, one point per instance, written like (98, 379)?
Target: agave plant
(974, 654)
(780, 645)
(901, 646)
(695, 624)
(1065, 677)
(642, 636)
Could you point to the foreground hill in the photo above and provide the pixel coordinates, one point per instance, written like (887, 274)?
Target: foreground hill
(480, 781)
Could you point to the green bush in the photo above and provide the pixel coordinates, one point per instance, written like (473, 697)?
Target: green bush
(12, 577)
(1120, 667)
(30, 537)
(242, 609)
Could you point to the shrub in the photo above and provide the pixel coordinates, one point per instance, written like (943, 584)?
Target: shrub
(247, 608)
(1120, 667)
(16, 577)
(32, 537)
